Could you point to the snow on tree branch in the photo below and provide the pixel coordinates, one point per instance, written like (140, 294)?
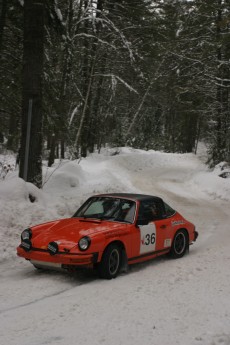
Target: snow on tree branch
(74, 112)
(126, 43)
(93, 36)
(115, 77)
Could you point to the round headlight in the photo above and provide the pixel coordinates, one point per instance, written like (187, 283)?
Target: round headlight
(84, 243)
(26, 235)
(26, 245)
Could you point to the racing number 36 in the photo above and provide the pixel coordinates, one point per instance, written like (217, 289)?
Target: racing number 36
(150, 239)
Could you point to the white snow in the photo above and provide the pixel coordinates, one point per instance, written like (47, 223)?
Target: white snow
(167, 302)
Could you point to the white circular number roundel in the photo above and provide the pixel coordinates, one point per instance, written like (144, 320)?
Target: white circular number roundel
(148, 238)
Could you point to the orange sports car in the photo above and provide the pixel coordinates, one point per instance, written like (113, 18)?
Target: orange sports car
(108, 232)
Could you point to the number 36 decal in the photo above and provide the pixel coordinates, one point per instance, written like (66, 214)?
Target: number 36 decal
(150, 239)
(147, 238)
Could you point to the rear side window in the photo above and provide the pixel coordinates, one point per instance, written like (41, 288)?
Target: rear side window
(150, 210)
(169, 210)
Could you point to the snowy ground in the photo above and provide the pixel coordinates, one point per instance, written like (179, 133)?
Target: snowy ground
(167, 302)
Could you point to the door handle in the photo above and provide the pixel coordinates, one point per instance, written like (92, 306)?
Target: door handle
(163, 226)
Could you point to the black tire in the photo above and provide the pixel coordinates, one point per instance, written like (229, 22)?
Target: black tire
(110, 264)
(180, 244)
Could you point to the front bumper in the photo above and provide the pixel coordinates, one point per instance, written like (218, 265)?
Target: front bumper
(71, 259)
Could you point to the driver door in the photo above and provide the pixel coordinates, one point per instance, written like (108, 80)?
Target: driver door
(153, 229)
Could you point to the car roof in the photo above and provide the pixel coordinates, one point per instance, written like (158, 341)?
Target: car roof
(139, 197)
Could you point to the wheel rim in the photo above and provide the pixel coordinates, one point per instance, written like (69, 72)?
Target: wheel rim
(180, 243)
(114, 261)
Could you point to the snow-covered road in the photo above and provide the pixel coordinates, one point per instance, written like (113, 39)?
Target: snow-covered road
(184, 301)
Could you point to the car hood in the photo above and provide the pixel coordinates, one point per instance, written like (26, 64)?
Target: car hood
(71, 230)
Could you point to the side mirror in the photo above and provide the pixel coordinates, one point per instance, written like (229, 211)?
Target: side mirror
(142, 222)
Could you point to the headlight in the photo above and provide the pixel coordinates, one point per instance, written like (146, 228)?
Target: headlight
(84, 243)
(26, 235)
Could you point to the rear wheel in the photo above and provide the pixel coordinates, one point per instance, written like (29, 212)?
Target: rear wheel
(180, 244)
(110, 264)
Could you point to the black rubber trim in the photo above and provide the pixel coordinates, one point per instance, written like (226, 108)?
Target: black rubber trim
(149, 254)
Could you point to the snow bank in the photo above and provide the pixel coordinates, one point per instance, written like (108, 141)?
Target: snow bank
(213, 185)
(61, 179)
(13, 189)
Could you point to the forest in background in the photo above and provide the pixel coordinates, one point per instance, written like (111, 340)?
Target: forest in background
(141, 73)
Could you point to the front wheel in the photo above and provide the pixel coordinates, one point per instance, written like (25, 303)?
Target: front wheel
(180, 244)
(110, 264)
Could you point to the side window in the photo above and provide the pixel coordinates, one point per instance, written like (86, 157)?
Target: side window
(150, 210)
(169, 210)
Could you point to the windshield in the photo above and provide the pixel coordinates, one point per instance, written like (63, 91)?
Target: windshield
(109, 208)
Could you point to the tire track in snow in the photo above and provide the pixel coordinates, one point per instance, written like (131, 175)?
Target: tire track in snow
(29, 282)
(34, 301)
(43, 298)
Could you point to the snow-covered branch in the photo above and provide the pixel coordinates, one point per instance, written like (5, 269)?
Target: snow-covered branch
(115, 77)
(94, 37)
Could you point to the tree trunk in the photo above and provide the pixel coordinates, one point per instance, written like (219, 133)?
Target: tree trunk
(62, 149)
(52, 150)
(12, 142)
(31, 135)
(3, 9)
(84, 136)
(79, 132)
(220, 151)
